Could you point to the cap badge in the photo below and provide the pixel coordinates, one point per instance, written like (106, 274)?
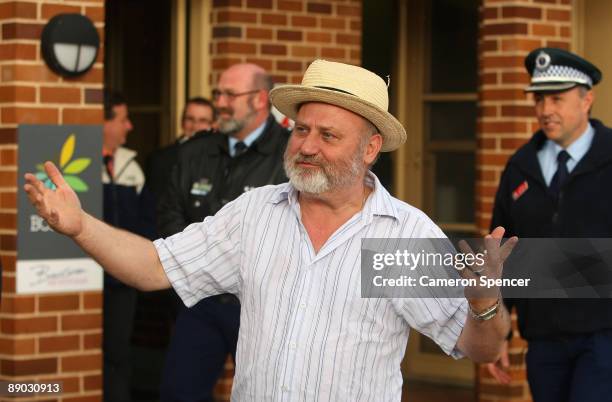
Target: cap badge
(542, 62)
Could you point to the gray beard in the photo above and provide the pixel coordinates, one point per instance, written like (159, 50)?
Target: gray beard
(231, 126)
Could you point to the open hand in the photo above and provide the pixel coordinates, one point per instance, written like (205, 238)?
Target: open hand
(61, 207)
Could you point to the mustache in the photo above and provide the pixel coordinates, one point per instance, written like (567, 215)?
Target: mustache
(312, 159)
(228, 110)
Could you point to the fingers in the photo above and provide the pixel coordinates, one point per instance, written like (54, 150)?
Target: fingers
(55, 175)
(500, 375)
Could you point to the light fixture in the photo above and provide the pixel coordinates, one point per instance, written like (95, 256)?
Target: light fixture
(70, 44)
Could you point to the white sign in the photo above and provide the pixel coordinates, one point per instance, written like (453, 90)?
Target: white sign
(58, 275)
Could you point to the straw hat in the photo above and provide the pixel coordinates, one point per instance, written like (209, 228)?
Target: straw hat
(349, 87)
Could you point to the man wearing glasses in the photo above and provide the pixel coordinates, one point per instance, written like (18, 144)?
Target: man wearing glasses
(211, 171)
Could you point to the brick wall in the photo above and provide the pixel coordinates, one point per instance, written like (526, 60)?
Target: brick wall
(509, 30)
(282, 36)
(44, 337)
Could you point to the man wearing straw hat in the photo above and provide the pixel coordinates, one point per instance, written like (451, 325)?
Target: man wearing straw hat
(291, 253)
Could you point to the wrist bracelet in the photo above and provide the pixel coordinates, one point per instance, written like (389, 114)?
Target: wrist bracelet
(485, 315)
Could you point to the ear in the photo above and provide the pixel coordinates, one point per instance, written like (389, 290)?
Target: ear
(588, 100)
(372, 148)
(261, 100)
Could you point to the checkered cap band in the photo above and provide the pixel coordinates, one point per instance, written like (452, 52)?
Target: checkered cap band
(560, 74)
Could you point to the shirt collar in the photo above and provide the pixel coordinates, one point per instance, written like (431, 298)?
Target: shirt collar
(578, 148)
(379, 202)
(249, 140)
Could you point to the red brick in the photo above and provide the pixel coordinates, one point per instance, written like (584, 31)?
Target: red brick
(28, 73)
(273, 19)
(8, 178)
(90, 398)
(324, 37)
(304, 51)
(278, 78)
(69, 384)
(236, 47)
(81, 321)
(82, 116)
(263, 63)
(517, 111)
(498, 127)
(8, 242)
(227, 32)
(303, 21)
(223, 63)
(273, 49)
(333, 23)
(51, 10)
(355, 56)
(92, 301)
(501, 390)
(284, 65)
(8, 263)
(353, 11)
(18, 9)
(487, 111)
(318, 8)
(558, 44)
(490, 159)
(487, 143)
(227, 3)
(503, 94)
(333, 52)
(504, 29)
(60, 95)
(58, 302)
(28, 325)
(18, 346)
(533, 13)
(91, 382)
(21, 30)
(288, 35)
(95, 75)
(92, 341)
(545, 1)
(28, 367)
(96, 14)
(8, 135)
(81, 363)
(11, 93)
(348, 39)
(488, 78)
(94, 96)
(543, 30)
(512, 143)
(258, 33)
(236, 16)
(259, 4)
(59, 343)
(522, 45)
(18, 51)
(489, 62)
(488, 45)
(288, 5)
(8, 287)
(8, 201)
(565, 32)
(515, 78)
(558, 15)
(356, 25)
(490, 13)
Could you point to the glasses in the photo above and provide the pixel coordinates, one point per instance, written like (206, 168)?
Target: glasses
(230, 95)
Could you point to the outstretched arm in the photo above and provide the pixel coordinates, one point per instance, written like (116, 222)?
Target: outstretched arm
(128, 257)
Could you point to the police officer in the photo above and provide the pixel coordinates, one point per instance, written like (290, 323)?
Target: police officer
(212, 170)
(558, 185)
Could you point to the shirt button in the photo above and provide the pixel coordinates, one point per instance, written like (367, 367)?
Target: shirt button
(303, 305)
(293, 345)
(284, 388)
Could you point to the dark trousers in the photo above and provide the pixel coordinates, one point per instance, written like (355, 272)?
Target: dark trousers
(573, 369)
(119, 309)
(203, 337)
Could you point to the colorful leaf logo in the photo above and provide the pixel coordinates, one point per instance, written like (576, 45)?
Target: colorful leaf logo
(69, 168)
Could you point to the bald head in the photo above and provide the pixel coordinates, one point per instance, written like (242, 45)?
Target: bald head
(242, 100)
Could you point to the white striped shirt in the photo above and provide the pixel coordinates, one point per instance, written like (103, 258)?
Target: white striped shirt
(305, 332)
